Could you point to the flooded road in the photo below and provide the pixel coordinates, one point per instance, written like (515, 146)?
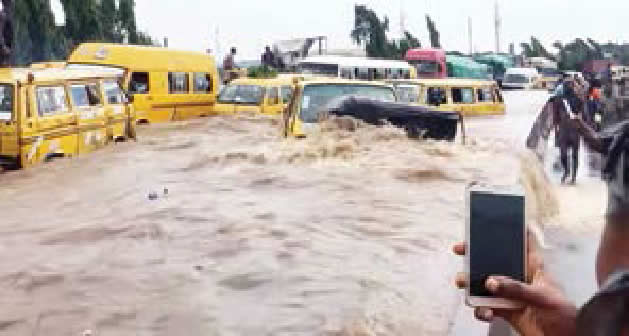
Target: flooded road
(219, 227)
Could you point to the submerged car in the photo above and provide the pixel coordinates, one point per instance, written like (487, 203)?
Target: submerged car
(371, 102)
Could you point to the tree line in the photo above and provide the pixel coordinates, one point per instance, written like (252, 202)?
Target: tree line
(573, 55)
(38, 38)
(370, 31)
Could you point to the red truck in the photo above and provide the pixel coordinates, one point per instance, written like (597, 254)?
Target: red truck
(430, 63)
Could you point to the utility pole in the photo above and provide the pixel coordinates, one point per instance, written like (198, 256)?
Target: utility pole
(469, 31)
(498, 26)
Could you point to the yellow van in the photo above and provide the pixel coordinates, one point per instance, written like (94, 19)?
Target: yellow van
(302, 116)
(265, 96)
(49, 113)
(468, 96)
(166, 85)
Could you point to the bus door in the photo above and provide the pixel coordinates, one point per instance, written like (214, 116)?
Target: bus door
(56, 127)
(92, 122)
(9, 149)
(116, 110)
(272, 102)
(485, 98)
(179, 96)
(143, 87)
(203, 99)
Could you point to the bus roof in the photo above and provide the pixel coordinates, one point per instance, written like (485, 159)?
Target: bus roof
(141, 58)
(51, 74)
(359, 62)
(323, 81)
(444, 81)
(263, 81)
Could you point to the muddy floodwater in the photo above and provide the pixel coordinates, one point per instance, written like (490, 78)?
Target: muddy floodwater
(218, 226)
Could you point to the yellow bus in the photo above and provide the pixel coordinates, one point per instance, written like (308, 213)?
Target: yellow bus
(54, 112)
(165, 84)
(470, 97)
(264, 96)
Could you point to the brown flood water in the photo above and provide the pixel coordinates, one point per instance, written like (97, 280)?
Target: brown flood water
(348, 233)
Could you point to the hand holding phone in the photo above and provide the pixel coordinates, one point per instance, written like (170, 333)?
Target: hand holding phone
(496, 242)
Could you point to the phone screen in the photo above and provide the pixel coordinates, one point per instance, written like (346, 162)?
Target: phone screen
(496, 242)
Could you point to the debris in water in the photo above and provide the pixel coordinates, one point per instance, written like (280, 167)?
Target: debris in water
(153, 196)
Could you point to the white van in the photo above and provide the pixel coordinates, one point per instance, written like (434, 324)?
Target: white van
(521, 78)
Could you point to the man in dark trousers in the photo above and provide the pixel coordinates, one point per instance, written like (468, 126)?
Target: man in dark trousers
(566, 106)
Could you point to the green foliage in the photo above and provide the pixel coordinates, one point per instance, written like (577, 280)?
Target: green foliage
(370, 31)
(37, 38)
(83, 21)
(126, 16)
(261, 72)
(435, 40)
(109, 21)
(535, 49)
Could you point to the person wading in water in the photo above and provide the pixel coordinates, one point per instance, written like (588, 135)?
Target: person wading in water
(556, 115)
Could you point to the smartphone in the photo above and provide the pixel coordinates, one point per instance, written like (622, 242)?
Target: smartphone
(496, 241)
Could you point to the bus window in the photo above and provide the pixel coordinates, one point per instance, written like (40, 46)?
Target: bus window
(274, 96)
(113, 92)
(51, 100)
(6, 102)
(485, 95)
(84, 95)
(287, 93)
(202, 82)
(139, 83)
(407, 93)
(178, 82)
(462, 95)
(436, 96)
(346, 73)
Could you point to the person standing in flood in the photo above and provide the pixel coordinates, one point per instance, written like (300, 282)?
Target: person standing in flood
(570, 103)
(229, 65)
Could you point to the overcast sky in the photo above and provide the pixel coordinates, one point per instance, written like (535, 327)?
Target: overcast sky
(249, 25)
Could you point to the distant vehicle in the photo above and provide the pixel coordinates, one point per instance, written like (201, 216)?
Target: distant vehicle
(521, 78)
(166, 84)
(264, 96)
(429, 63)
(498, 63)
(312, 96)
(360, 68)
(46, 113)
(469, 97)
(465, 67)
(549, 79)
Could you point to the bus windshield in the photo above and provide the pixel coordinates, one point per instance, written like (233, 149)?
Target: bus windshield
(426, 67)
(242, 94)
(316, 98)
(331, 70)
(6, 102)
